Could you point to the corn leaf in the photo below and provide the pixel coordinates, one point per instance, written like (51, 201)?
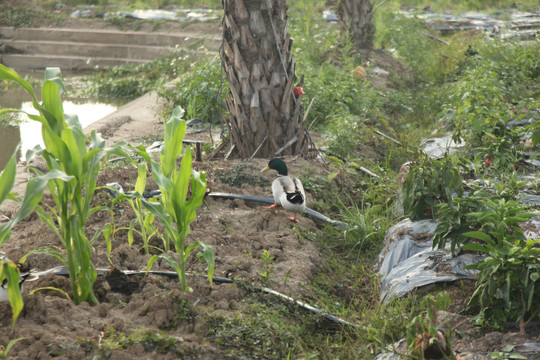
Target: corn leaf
(10, 74)
(140, 184)
(7, 178)
(52, 106)
(11, 273)
(208, 255)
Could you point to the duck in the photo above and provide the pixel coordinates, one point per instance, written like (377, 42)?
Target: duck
(287, 190)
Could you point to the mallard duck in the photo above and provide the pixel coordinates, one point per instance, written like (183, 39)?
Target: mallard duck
(287, 190)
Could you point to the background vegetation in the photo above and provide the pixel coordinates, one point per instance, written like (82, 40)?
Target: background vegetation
(469, 88)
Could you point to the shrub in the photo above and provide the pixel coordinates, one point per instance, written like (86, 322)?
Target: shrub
(429, 183)
(200, 91)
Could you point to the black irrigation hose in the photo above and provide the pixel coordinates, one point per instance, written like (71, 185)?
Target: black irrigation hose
(312, 213)
(218, 195)
(62, 270)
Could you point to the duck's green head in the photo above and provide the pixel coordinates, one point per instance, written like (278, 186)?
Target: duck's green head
(278, 165)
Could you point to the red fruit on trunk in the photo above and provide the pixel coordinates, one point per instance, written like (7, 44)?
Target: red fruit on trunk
(298, 90)
(488, 161)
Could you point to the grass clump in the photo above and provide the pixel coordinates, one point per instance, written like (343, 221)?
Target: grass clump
(25, 16)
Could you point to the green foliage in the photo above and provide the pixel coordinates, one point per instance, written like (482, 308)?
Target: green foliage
(464, 215)
(73, 162)
(483, 100)
(431, 61)
(199, 90)
(4, 350)
(131, 81)
(454, 221)
(10, 272)
(466, 5)
(422, 331)
(143, 217)
(172, 209)
(267, 329)
(24, 16)
(429, 183)
(114, 340)
(367, 226)
(507, 285)
(265, 273)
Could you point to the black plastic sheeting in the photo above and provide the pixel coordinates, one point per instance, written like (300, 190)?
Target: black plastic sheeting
(408, 261)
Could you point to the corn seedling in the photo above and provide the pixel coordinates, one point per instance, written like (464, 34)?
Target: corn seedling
(34, 190)
(74, 160)
(4, 350)
(143, 217)
(172, 209)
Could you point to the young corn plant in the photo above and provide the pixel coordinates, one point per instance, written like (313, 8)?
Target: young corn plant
(143, 217)
(77, 159)
(173, 209)
(34, 190)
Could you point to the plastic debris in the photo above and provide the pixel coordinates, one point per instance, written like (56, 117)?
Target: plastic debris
(330, 16)
(436, 148)
(408, 261)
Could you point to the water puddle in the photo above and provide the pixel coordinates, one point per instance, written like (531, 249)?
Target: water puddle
(88, 112)
(172, 13)
(27, 133)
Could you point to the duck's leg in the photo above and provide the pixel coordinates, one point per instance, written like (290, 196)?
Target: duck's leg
(293, 218)
(270, 207)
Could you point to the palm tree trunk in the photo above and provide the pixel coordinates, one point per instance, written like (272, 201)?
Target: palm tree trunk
(264, 114)
(356, 20)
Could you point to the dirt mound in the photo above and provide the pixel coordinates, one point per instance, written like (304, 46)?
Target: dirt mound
(239, 232)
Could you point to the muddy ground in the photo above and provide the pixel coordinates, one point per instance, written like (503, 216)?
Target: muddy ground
(144, 306)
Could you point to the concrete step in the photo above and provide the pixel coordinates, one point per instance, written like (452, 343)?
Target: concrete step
(70, 48)
(108, 37)
(25, 62)
(88, 49)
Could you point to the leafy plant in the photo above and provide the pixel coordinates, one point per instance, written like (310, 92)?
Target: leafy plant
(73, 161)
(34, 190)
(265, 273)
(428, 183)
(422, 333)
(200, 91)
(130, 81)
(172, 209)
(509, 273)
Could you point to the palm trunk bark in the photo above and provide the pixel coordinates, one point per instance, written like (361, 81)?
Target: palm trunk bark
(264, 115)
(356, 20)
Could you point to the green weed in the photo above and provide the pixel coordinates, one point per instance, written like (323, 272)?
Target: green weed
(265, 273)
